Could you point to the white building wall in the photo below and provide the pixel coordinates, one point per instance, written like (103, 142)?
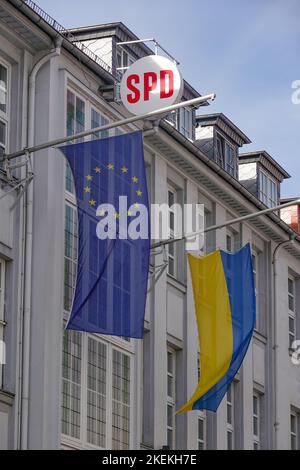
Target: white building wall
(170, 319)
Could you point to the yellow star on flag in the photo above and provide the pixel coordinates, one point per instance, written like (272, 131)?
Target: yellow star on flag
(139, 193)
(134, 179)
(136, 205)
(117, 215)
(124, 169)
(87, 189)
(89, 178)
(129, 213)
(97, 169)
(102, 212)
(92, 202)
(110, 166)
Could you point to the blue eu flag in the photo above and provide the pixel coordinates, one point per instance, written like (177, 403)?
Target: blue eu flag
(112, 272)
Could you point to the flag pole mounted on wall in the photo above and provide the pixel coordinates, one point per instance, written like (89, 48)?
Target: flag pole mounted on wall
(111, 125)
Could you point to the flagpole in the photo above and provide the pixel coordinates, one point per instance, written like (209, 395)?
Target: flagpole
(111, 125)
(254, 215)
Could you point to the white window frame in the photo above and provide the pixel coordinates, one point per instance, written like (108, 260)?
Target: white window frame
(292, 311)
(186, 122)
(257, 420)
(230, 400)
(294, 433)
(202, 445)
(172, 248)
(171, 399)
(230, 169)
(5, 117)
(256, 274)
(266, 186)
(2, 315)
(111, 345)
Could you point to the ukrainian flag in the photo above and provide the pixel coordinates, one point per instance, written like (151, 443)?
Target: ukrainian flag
(224, 294)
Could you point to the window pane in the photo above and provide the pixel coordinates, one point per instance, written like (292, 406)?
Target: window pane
(3, 89)
(71, 383)
(121, 401)
(96, 396)
(229, 440)
(2, 133)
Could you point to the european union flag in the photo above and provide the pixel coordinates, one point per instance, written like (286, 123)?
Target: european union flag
(112, 272)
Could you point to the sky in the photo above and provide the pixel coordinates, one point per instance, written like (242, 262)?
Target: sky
(247, 52)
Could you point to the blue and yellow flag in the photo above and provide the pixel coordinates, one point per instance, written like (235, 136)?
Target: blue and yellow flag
(112, 272)
(224, 295)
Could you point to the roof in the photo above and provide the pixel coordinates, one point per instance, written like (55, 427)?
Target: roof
(120, 30)
(267, 161)
(220, 120)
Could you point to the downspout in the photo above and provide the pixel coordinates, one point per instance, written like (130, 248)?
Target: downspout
(275, 337)
(28, 249)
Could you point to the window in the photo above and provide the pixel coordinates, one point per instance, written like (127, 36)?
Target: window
(230, 417)
(186, 122)
(268, 193)
(295, 444)
(71, 248)
(75, 124)
(292, 310)
(232, 241)
(202, 431)
(220, 151)
(96, 393)
(71, 383)
(256, 421)
(2, 318)
(255, 260)
(98, 120)
(230, 160)
(172, 265)
(210, 237)
(171, 398)
(4, 108)
(124, 60)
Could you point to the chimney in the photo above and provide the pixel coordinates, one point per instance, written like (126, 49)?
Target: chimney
(291, 215)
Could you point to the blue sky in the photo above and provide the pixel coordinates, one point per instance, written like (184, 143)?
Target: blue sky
(245, 51)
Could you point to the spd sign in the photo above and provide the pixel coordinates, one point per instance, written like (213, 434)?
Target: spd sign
(151, 83)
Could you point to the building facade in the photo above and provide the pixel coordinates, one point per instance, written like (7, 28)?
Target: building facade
(63, 389)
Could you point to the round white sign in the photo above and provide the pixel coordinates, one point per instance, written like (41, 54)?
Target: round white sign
(151, 83)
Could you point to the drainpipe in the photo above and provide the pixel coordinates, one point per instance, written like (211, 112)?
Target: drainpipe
(28, 249)
(275, 336)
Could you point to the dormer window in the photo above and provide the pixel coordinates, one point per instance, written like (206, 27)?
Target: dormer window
(226, 155)
(268, 189)
(186, 122)
(124, 60)
(230, 159)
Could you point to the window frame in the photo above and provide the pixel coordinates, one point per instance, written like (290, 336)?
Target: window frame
(173, 246)
(292, 312)
(230, 423)
(266, 183)
(295, 435)
(5, 116)
(171, 400)
(231, 170)
(186, 122)
(257, 419)
(2, 313)
(111, 346)
(201, 440)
